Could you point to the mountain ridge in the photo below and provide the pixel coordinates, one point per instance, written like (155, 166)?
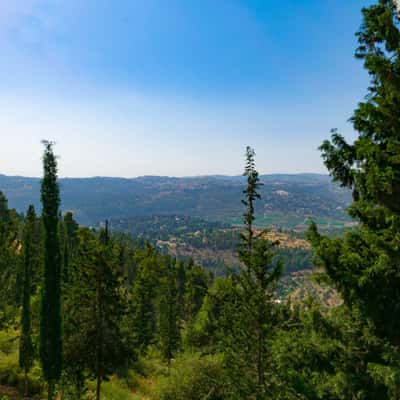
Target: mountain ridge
(216, 198)
(215, 176)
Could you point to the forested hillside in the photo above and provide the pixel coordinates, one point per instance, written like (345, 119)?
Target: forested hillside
(286, 199)
(198, 217)
(114, 311)
(213, 245)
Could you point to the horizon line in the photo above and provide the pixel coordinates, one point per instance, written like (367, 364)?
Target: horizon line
(169, 176)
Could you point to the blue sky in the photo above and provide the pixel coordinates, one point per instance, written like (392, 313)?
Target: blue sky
(175, 87)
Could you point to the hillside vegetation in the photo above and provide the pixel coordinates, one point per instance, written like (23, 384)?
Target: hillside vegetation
(211, 244)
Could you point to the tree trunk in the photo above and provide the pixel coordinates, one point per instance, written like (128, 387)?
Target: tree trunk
(50, 390)
(260, 372)
(79, 385)
(26, 384)
(260, 352)
(98, 387)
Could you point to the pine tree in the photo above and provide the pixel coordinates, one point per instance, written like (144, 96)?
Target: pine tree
(95, 306)
(30, 262)
(196, 286)
(144, 300)
(4, 252)
(251, 194)
(9, 261)
(102, 285)
(364, 265)
(78, 310)
(169, 329)
(50, 316)
(251, 314)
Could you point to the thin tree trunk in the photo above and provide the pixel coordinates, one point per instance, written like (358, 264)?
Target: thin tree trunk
(99, 366)
(98, 387)
(26, 383)
(50, 390)
(79, 385)
(260, 351)
(260, 372)
(99, 338)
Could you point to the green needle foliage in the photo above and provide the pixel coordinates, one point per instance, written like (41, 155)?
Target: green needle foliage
(30, 263)
(365, 265)
(247, 345)
(94, 309)
(50, 316)
(144, 306)
(169, 324)
(9, 262)
(68, 240)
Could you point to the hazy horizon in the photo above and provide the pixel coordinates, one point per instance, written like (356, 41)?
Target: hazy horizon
(166, 176)
(146, 88)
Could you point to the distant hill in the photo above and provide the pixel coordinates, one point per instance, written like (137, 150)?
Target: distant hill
(287, 198)
(211, 244)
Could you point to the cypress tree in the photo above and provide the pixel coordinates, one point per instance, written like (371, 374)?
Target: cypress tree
(50, 316)
(68, 230)
(26, 353)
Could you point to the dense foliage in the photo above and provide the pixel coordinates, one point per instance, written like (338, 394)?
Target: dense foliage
(50, 321)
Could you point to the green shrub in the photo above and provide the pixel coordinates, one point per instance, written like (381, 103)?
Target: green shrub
(114, 389)
(10, 373)
(9, 368)
(8, 341)
(194, 377)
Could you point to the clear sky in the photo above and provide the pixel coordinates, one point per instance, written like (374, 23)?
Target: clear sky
(175, 87)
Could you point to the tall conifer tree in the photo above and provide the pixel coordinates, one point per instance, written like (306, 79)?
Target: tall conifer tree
(68, 240)
(95, 307)
(50, 316)
(9, 259)
(250, 317)
(169, 312)
(144, 316)
(364, 265)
